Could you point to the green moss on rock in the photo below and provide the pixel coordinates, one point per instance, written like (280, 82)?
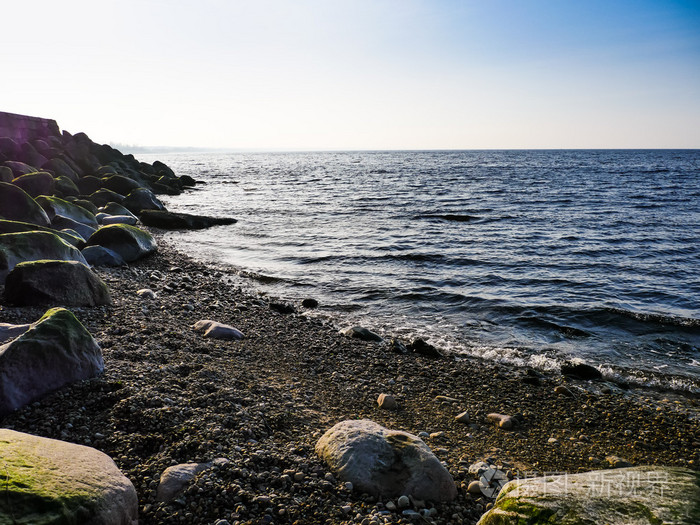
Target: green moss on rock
(640, 495)
(49, 482)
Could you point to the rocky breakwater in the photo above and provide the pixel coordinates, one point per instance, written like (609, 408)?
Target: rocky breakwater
(67, 205)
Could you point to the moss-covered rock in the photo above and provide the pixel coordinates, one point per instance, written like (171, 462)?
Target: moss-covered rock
(101, 256)
(103, 196)
(50, 482)
(19, 168)
(49, 283)
(89, 184)
(37, 183)
(142, 199)
(17, 227)
(66, 187)
(56, 206)
(120, 184)
(17, 205)
(60, 168)
(130, 242)
(181, 221)
(55, 351)
(34, 246)
(112, 208)
(640, 495)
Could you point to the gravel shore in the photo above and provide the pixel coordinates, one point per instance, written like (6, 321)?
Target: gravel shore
(170, 396)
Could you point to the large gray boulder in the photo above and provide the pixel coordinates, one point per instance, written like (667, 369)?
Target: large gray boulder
(103, 196)
(48, 283)
(60, 168)
(37, 183)
(17, 205)
(55, 206)
(181, 221)
(101, 256)
(17, 227)
(46, 481)
(142, 199)
(119, 183)
(633, 496)
(112, 208)
(130, 242)
(19, 168)
(55, 351)
(34, 246)
(59, 222)
(385, 462)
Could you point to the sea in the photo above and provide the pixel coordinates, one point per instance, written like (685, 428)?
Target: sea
(530, 257)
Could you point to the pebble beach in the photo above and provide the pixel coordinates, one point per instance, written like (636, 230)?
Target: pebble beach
(170, 396)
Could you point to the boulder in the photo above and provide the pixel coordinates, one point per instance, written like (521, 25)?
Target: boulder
(174, 479)
(60, 168)
(60, 222)
(217, 330)
(19, 168)
(55, 351)
(129, 242)
(34, 246)
(119, 219)
(105, 171)
(163, 169)
(66, 187)
(37, 183)
(112, 208)
(420, 346)
(385, 463)
(55, 206)
(17, 205)
(89, 185)
(141, 199)
(358, 332)
(86, 205)
(6, 174)
(102, 197)
(101, 256)
(11, 331)
(9, 148)
(48, 283)
(119, 184)
(181, 221)
(580, 371)
(17, 227)
(187, 181)
(639, 496)
(30, 155)
(46, 481)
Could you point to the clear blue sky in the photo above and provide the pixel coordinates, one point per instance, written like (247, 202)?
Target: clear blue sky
(359, 74)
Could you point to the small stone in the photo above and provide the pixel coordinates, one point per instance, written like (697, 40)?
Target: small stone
(445, 399)
(503, 421)
(348, 486)
(437, 435)
(347, 509)
(146, 293)
(423, 435)
(309, 303)
(552, 440)
(404, 502)
(387, 402)
(474, 487)
(463, 418)
(409, 513)
(299, 476)
(617, 462)
(390, 506)
(563, 391)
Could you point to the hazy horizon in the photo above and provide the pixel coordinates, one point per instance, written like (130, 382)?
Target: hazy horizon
(360, 75)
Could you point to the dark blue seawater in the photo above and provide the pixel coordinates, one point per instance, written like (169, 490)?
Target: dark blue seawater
(529, 257)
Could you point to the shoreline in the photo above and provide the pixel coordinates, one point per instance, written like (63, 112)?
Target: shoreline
(169, 396)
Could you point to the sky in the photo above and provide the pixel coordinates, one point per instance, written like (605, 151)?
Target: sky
(358, 74)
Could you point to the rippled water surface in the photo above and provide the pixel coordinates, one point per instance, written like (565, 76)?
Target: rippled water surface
(524, 256)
